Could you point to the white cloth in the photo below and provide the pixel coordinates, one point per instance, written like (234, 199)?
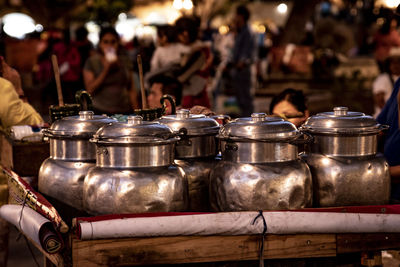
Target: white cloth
(383, 84)
(165, 55)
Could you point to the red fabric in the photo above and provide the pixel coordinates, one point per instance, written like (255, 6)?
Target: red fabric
(199, 100)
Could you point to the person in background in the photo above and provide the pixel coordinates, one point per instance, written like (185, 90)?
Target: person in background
(168, 50)
(386, 38)
(14, 107)
(108, 77)
(243, 56)
(85, 49)
(161, 85)
(195, 64)
(290, 104)
(69, 61)
(382, 86)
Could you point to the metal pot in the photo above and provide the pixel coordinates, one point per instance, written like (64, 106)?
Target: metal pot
(195, 153)
(260, 168)
(134, 170)
(343, 159)
(71, 155)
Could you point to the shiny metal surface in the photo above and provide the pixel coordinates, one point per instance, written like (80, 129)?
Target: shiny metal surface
(341, 121)
(259, 127)
(197, 133)
(130, 156)
(111, 191)
(82, 126)
(345, 145)
(190, 124)
(195, 147)
(343, 181)
(63, 180)
(135, 130)
(198, 176)
(72, 149)
(268, 186)
(258, 152)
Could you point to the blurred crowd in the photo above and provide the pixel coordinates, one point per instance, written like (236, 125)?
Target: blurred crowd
(197, 65)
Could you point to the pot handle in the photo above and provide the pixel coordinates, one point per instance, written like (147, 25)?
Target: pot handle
(83, 98)
(308, 138)
(171, 101)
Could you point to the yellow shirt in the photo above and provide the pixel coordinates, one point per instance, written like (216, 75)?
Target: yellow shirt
(13, 111)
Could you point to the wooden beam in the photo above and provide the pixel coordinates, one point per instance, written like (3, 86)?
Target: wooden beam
(349, 243)
(191, 249)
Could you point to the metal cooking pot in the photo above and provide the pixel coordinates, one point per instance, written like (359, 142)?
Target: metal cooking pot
(343, 159)
(134, 170)
(195, 153)
(260, 168)
(71, 155)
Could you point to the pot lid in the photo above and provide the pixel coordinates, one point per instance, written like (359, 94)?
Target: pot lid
(134, 131)
(341, 120)
(82, 126)
(259, 127)
(190, 124)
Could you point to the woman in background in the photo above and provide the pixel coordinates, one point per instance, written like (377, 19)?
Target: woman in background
(290, 104)
(108, 77)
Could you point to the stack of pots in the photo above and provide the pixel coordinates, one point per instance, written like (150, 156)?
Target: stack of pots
(195, 153)
(134, 170)
(260, 167)
(71, 155)
(343, 159)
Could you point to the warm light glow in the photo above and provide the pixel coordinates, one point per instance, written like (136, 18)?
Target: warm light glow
(177, 4)
(126, 28)
(187, 4)
(93, 30)
(392, 3)
(39, 27)
(18, 25)
(261, 29)
(282, 8)
(223, 29)
(122, 16)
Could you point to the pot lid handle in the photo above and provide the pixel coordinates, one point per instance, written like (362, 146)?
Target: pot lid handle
(86, 115)
(182, 114)
(134, 120)
(258, 116)
(340, 111)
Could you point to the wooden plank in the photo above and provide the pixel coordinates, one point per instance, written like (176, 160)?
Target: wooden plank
(192, 249)
(349, 243)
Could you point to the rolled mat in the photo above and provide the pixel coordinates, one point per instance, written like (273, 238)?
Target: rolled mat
(33, 225)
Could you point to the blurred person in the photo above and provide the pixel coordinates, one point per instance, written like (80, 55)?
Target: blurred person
(386, 38)
(108, 76)
(85, 49)
(195, 64)
(290, 104)
(382, 86)
(390, 116)
(243, 56)
(69, 61)
(168, 51)
(160, 85)
(14, 107)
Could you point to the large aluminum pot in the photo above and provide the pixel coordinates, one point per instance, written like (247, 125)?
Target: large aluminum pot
(260, 168)
(195, 153)
(71, 155)
(343, 159)
(134, 170)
